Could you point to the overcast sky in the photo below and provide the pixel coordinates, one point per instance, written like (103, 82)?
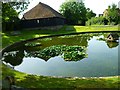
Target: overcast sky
(98, 6)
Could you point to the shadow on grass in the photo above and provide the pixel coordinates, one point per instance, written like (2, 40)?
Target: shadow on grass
(31, 81)
(8, 38)
(34, 81)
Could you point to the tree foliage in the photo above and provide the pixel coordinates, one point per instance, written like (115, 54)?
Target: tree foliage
(8, 13)
(74, 12)
(112, 14)
(11, 10)
(96, 21)
(90, 14)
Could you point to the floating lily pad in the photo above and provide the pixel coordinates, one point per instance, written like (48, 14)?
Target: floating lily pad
(69, 53)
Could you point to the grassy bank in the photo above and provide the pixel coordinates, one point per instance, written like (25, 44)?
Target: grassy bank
(8, 39)
(33, 81)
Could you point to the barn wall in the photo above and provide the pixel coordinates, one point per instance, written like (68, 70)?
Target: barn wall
(42, 22)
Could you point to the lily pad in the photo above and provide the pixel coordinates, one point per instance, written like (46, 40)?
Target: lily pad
(69, 53)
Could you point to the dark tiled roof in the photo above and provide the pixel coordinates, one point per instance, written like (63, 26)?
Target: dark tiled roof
(41, 11)
(114, 35)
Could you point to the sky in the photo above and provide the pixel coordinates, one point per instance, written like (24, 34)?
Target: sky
(97, 6)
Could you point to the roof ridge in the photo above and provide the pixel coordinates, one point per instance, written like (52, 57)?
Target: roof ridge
(42, 10)
(52, 10)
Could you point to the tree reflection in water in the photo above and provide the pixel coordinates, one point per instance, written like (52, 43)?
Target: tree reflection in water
(112, 44)
(14, 56)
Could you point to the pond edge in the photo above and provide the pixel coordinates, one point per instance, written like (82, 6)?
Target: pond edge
(55, 35)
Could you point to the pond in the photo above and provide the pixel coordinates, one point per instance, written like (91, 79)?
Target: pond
(96, 57)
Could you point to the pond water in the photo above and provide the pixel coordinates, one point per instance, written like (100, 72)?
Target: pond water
(101, 59)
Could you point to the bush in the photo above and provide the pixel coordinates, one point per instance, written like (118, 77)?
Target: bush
(97, 21)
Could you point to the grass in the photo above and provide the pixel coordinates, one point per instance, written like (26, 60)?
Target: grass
(8, 39)
(34, 81)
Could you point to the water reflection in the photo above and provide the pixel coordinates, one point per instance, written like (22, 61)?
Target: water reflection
(15, 56)
(112, 44)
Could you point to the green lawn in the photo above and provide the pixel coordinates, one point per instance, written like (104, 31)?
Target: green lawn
(8, 39)
(34, 81)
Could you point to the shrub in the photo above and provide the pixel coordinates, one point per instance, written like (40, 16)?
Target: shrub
(97, 21)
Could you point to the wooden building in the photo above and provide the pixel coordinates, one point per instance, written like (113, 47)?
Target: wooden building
(42, 15)
(112, 37)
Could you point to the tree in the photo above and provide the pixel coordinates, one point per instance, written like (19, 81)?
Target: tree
(10, 12)
(90, 14)
(112, 14)
(74, 12)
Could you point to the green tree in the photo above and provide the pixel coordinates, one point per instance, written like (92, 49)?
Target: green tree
(96, 21)
(10, 12)
(12, 9)
(74, 12)
(90, 14)
(112, 14)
